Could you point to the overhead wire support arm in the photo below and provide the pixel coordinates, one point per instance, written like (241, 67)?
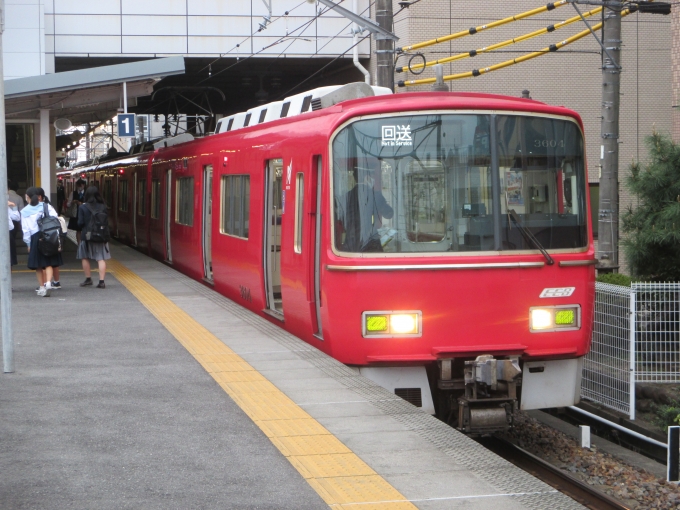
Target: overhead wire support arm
(481, 28)
(595, 35)
(364, 23)
(487, 49)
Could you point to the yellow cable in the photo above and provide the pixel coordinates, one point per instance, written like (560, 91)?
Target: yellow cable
(507, 63)
(471, 31)
(503, 44)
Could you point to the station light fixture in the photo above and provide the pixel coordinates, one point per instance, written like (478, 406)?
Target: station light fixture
(544, 319)
(390, 324)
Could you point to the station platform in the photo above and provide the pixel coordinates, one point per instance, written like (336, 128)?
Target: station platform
(157, 392)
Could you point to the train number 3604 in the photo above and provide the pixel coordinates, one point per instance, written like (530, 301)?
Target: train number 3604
(245, 293)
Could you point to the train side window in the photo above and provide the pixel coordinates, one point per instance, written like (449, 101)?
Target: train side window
(184, 201)
(141, 198)
(123, 196)
(299, 215)
(108, 193)
(235, 210)
(155, 199)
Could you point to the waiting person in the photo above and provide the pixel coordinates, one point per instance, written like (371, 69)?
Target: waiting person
(99, 251)
(56, 284)
(29, 223)
(78, 198)
(365, 207)
(14, 216)
(13, 197)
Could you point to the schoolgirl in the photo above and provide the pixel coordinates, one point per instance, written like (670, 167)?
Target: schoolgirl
(29, 224)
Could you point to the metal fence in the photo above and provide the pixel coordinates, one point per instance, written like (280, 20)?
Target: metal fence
(636, 338)
(607, 369)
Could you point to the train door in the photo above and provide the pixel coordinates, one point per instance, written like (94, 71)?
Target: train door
(168, 215)
(117, 205)
(272, 235)
(316, 203)
(134, 209)
(207, 222)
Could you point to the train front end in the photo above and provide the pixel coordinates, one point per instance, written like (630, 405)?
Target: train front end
(461, 249)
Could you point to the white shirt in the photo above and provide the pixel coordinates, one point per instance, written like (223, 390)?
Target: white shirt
(12, 215)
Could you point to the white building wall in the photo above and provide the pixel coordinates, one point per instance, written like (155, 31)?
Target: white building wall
(150, 28)
(23, 40)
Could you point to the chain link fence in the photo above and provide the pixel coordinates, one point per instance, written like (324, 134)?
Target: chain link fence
(636, 338)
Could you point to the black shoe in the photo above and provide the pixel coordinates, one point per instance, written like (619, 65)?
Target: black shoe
(101, 284)
(88, 281)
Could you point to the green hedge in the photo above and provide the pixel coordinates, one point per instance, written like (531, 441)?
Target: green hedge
(615, 279)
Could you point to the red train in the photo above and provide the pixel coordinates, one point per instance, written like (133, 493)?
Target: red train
(439, 242)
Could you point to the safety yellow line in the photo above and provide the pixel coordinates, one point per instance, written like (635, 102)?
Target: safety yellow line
(339, 476)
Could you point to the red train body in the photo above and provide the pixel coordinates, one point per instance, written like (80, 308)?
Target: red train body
(259, 214)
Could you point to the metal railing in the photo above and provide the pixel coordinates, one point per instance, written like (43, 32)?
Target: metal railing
(636, 338)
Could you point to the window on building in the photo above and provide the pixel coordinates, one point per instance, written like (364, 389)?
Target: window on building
(141, 198)
(155, 199)
(235, 217)
(123, 196)
(184, 204)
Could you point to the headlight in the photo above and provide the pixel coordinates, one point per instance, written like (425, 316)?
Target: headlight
(389, 324)
(554, 318)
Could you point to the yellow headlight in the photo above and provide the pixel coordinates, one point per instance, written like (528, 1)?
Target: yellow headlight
(565, 317)
(376, 323)
(404, 323)
(541, 318)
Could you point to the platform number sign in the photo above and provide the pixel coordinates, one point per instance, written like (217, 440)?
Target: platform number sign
(126, 125)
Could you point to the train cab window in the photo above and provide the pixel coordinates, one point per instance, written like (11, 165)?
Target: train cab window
(123, 195)
(141, 198)
(235, 210)
(428, 183)
(184, 201)
(155, 199)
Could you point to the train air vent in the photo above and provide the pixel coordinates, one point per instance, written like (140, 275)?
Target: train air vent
(316, 104)
(231, 123)
(284, 109)
(263, 114)
(305, 104)
(247, 121)
(411, 395)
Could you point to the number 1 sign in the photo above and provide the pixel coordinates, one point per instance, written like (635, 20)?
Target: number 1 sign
(126, 125)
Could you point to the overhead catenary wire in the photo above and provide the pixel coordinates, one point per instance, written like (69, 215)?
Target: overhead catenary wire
(507, 63)
(487, 49)
(481, 28)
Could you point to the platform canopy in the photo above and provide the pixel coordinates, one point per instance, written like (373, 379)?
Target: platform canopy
(86, 95)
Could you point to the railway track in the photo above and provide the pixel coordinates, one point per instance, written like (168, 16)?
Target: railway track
(553, 476)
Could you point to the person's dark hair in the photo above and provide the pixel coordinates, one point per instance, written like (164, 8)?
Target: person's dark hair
(92, 196)
(81, 181)
(10, 184)
(41, 193)
(32, 194)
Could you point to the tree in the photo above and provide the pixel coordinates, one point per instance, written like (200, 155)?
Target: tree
(652, 229)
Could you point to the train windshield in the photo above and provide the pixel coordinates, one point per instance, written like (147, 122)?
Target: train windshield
(458, 183)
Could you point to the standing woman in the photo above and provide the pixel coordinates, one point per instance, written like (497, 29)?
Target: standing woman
(29, 224)
(99, 251)
(78, 198)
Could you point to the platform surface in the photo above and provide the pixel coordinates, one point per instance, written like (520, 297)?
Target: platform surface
(157, 392)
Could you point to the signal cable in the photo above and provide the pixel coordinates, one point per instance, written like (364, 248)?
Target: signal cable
(487, 49)
(481, 28)
(518, 60)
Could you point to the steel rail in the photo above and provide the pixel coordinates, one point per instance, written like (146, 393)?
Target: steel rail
(553, 476)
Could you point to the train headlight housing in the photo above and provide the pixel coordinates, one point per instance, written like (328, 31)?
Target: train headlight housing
(543, 319)
(391, 324)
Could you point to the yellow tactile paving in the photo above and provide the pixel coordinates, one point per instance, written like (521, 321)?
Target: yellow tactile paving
(341, 478)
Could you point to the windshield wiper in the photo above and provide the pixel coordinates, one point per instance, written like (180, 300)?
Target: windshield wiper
(529, 237)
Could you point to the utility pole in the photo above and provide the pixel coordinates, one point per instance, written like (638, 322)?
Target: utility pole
(608, 217)
(5, 268)
(384, 45)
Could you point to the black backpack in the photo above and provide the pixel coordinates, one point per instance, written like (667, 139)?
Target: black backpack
(97, 229)
(49, 241)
